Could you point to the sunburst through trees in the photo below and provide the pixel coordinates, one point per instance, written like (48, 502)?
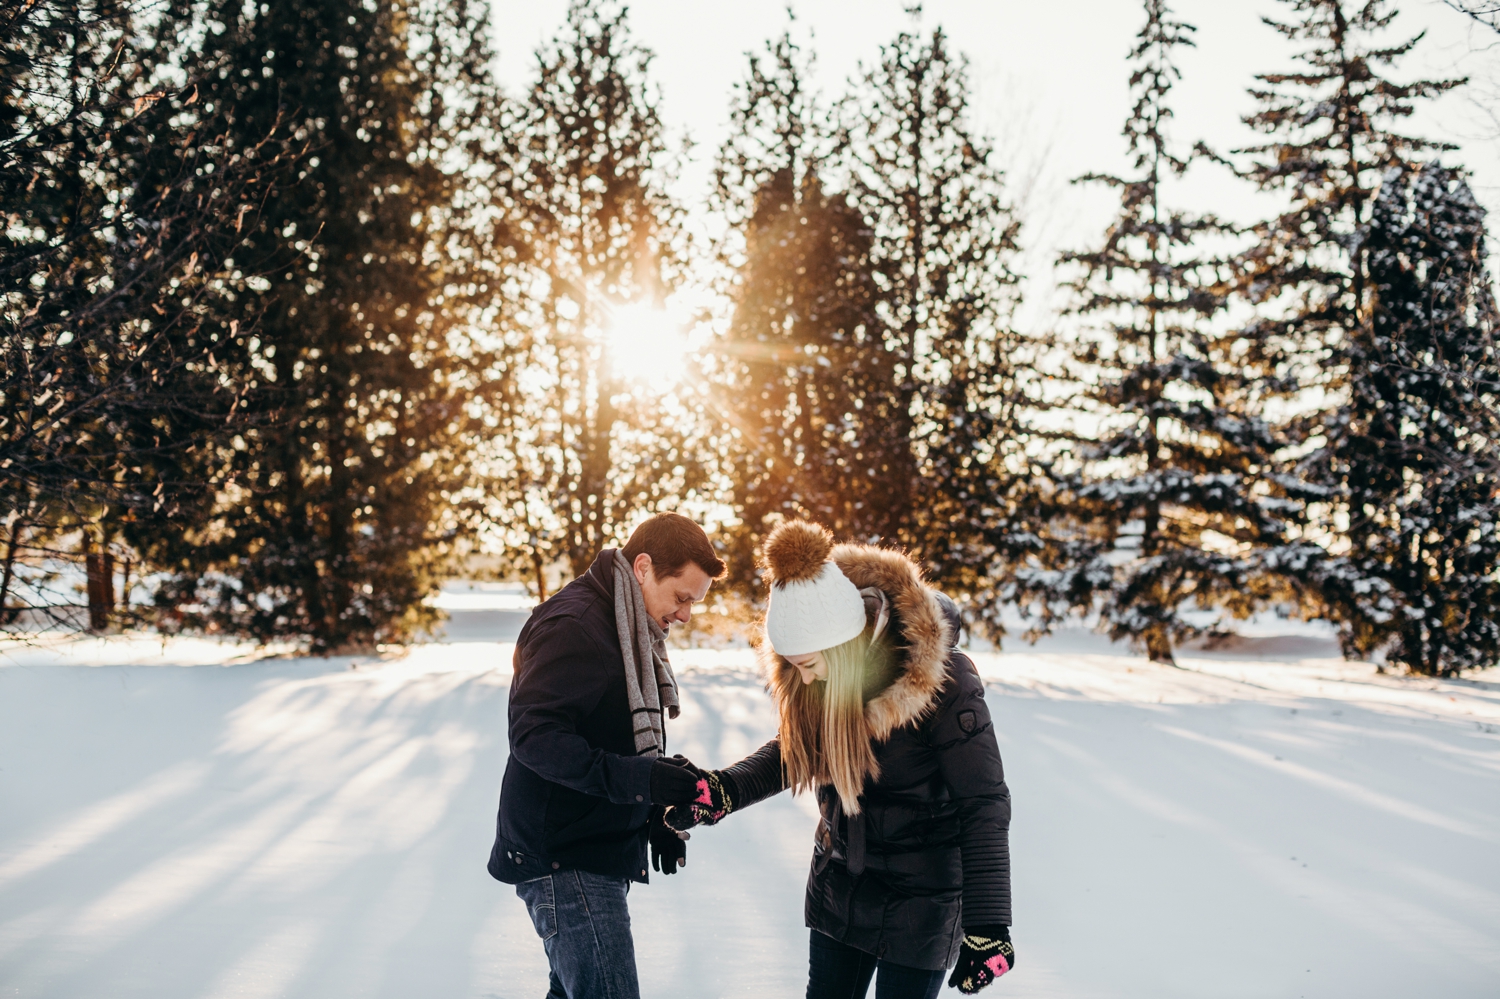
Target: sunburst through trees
(303, 314)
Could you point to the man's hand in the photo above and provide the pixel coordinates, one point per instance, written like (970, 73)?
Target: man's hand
(668, 849)
(986, 954)
(674, 781)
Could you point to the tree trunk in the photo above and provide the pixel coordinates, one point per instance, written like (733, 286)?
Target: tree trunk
(11, 549)
(99, 569)
(541, 576)
(1159, 646)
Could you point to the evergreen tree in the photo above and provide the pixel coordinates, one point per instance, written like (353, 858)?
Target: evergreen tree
(1155, 512)
(1331, 138)
(806, 378)
(868, 367)
(116, 296)
(588, 152)
(334, 511)
(1414, 452)
(942, 239)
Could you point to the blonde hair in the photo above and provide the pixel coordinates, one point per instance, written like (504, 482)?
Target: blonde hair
(824, 739)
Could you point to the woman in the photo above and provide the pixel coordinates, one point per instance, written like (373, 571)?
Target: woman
(886, 722)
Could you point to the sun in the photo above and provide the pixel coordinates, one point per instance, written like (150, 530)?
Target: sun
(646, 343)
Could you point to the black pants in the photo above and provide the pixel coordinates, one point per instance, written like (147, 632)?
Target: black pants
(838, 971)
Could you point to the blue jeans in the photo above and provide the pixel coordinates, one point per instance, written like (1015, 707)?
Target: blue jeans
(838, 971)
(585, 926)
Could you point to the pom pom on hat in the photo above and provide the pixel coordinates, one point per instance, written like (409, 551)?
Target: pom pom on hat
(813, 604)
(796, 551)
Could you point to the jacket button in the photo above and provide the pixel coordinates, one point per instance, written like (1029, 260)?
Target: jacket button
(518, 860)
(643, 872)
(555, 865)
(639, 798)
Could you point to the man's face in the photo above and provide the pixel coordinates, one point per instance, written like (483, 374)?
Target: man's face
(671, 600)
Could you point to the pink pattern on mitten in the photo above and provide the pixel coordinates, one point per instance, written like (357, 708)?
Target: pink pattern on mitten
(998, 964)
(705, 796)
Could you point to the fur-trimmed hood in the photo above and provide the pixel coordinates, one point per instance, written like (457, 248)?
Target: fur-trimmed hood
(922, 644)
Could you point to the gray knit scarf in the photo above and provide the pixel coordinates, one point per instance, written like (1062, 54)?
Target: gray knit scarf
(648, 676)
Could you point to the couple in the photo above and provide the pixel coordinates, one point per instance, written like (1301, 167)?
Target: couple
(879, 715)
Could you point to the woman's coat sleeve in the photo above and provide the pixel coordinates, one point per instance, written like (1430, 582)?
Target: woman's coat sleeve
(969, 758)
(758, 776)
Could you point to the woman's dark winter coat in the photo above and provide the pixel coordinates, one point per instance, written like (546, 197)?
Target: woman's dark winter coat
(575, 794)
(928, 853)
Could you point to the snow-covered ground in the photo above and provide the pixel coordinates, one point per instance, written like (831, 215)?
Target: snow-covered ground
(192, 821)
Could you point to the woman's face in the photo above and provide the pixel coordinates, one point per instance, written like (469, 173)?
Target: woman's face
(812, 666)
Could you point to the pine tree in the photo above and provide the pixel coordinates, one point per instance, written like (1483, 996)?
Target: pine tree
(334, 511)
(868, 368)
(943, 236)
(115, 293)
(1150, 517)
(1331, 138)
(806, 380)
(587, 147)
(1414, 452)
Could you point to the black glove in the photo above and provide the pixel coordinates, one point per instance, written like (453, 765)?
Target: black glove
(674, 781)
(986, 954)
(713, 799)
(668, 851)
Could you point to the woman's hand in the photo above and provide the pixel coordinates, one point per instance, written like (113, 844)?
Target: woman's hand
(713, 799)
(985, 955)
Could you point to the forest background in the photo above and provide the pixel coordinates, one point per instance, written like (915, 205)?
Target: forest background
(305, 312)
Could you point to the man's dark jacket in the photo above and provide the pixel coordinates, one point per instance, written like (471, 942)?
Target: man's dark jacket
(575, 794)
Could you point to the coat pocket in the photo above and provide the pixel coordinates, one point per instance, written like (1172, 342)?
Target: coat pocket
(541, 903)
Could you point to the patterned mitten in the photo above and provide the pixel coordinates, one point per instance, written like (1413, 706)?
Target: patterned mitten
(713, 800)
(986, 954)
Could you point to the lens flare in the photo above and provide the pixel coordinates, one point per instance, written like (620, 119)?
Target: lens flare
(646, 344)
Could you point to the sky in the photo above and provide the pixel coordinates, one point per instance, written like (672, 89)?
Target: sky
(1049, 82)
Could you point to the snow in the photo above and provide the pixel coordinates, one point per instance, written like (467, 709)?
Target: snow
(194, 819)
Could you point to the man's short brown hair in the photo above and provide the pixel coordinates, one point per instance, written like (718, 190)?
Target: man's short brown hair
(673, 541)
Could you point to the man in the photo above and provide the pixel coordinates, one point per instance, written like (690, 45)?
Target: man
(588, 777)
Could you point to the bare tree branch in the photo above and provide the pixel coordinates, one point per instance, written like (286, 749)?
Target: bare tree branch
(1486, 12)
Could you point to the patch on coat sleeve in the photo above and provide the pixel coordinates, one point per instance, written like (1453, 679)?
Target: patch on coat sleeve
(968, 721)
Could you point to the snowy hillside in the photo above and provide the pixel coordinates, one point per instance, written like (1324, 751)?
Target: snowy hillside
(181, 823)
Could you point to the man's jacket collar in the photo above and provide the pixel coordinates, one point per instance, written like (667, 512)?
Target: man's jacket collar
(601, 575)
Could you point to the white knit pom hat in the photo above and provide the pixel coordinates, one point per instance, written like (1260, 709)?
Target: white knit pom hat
(813, 605)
